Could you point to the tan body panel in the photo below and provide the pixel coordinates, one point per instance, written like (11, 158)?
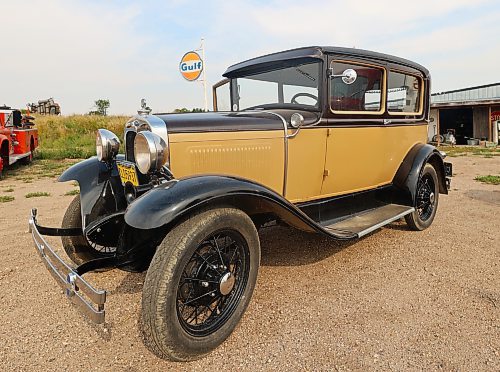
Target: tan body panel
(322, 162)
(255, 155)
(306, 163)
(362, 158)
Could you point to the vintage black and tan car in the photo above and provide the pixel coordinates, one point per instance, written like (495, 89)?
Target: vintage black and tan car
(324, 139)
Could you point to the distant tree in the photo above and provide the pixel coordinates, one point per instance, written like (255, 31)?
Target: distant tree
(102, 106)
(184, 110)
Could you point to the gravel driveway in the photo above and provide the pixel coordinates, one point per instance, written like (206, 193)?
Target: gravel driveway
(395, 300)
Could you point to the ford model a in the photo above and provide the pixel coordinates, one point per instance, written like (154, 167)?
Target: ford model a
(327, 140)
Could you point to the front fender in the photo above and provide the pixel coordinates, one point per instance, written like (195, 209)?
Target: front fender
(168, 203)
(101, 191)
(406, 177)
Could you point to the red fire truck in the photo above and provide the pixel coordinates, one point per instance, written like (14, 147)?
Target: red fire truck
(18, 137)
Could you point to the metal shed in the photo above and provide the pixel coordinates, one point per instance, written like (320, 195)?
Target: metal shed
(472, 113)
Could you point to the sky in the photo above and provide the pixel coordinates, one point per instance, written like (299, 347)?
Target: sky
(78, 51)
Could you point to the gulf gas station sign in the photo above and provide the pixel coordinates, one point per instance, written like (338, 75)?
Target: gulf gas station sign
(191, 66)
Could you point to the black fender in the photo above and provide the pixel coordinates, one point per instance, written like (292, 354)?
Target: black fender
(101, 191)
(168, 203)
(407, 176)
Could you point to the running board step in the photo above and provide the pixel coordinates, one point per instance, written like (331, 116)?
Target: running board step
(371, 220)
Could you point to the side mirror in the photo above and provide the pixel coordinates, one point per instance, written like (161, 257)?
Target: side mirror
(297, 120)
(349, 76)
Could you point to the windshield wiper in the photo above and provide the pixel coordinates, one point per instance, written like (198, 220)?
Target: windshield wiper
(312, 78)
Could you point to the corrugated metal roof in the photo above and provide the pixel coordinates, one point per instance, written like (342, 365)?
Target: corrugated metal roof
(473, 95)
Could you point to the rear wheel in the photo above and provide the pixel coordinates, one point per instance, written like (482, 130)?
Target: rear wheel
(28, 159)
(199, 284)
(78, 248)
(426, 200)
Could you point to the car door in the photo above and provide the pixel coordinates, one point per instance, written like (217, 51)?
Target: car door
(357, 156)
(306, 162)
(369, 137)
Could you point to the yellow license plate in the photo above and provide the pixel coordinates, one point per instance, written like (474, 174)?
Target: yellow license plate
(128, 174)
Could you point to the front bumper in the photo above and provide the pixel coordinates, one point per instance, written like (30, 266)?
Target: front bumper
(89, 300)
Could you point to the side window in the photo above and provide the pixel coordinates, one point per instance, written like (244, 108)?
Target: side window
(222, 96)
(363, 95)
(403, 93)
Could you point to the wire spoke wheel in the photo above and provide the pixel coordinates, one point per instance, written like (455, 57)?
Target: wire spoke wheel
(426, 200)
(199, 283)
(426, 197)
(212, 282)
(101, 248)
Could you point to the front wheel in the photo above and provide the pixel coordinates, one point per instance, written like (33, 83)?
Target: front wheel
(78, 248)
(426, 200)
(199, 283)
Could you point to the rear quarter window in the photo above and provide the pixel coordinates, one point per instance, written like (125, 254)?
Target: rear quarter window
(404, 93)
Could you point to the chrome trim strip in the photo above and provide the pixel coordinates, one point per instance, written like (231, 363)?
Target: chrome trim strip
(72, 283)
(383, 223)
(285, 138)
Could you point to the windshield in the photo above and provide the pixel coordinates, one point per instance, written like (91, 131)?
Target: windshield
(291, 87)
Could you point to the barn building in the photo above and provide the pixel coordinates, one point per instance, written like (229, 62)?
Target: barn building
(473, 113)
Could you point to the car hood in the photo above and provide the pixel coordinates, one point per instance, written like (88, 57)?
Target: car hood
(221, 121)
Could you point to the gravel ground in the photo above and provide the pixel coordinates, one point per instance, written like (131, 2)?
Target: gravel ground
(395, 300)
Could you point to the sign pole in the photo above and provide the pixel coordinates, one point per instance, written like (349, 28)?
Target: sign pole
(192, 66)
(204, 73)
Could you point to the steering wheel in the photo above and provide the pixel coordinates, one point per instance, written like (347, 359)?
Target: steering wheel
(294, 98)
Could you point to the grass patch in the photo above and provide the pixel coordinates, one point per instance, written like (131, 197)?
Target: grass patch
(492, 180)
(6, 198)
(9, 190)
(36, 194)
(73, 137)
(40, 168)
(72, 193)
(454, 151)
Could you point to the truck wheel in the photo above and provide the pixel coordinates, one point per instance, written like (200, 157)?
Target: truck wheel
(199, 284)
(28, 159)
(426, 201)
(78, 248)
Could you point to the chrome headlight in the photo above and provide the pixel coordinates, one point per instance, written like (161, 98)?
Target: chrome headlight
(107, 145)
(150, 152)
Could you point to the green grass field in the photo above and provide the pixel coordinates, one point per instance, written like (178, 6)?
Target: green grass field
(454, 151)
(73, 137)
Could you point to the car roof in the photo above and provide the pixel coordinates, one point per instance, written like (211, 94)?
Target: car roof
(292, 56)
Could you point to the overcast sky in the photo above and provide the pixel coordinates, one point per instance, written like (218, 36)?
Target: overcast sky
(78, 51)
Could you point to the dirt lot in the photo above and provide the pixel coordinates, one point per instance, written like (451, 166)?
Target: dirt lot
(395, 300)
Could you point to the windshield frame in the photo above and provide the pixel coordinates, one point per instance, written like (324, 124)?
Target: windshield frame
(275, 67)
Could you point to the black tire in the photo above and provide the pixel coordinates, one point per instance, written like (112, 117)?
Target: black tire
(78, 248)
(426, 200)
(28, 159)
(165, 328)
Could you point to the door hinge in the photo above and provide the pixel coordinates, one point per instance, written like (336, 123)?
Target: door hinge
(328, 132)
(326, 173)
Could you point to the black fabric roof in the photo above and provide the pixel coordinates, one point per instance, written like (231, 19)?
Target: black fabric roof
(305, 54)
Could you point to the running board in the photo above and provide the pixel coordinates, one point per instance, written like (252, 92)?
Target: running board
(371, 220)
